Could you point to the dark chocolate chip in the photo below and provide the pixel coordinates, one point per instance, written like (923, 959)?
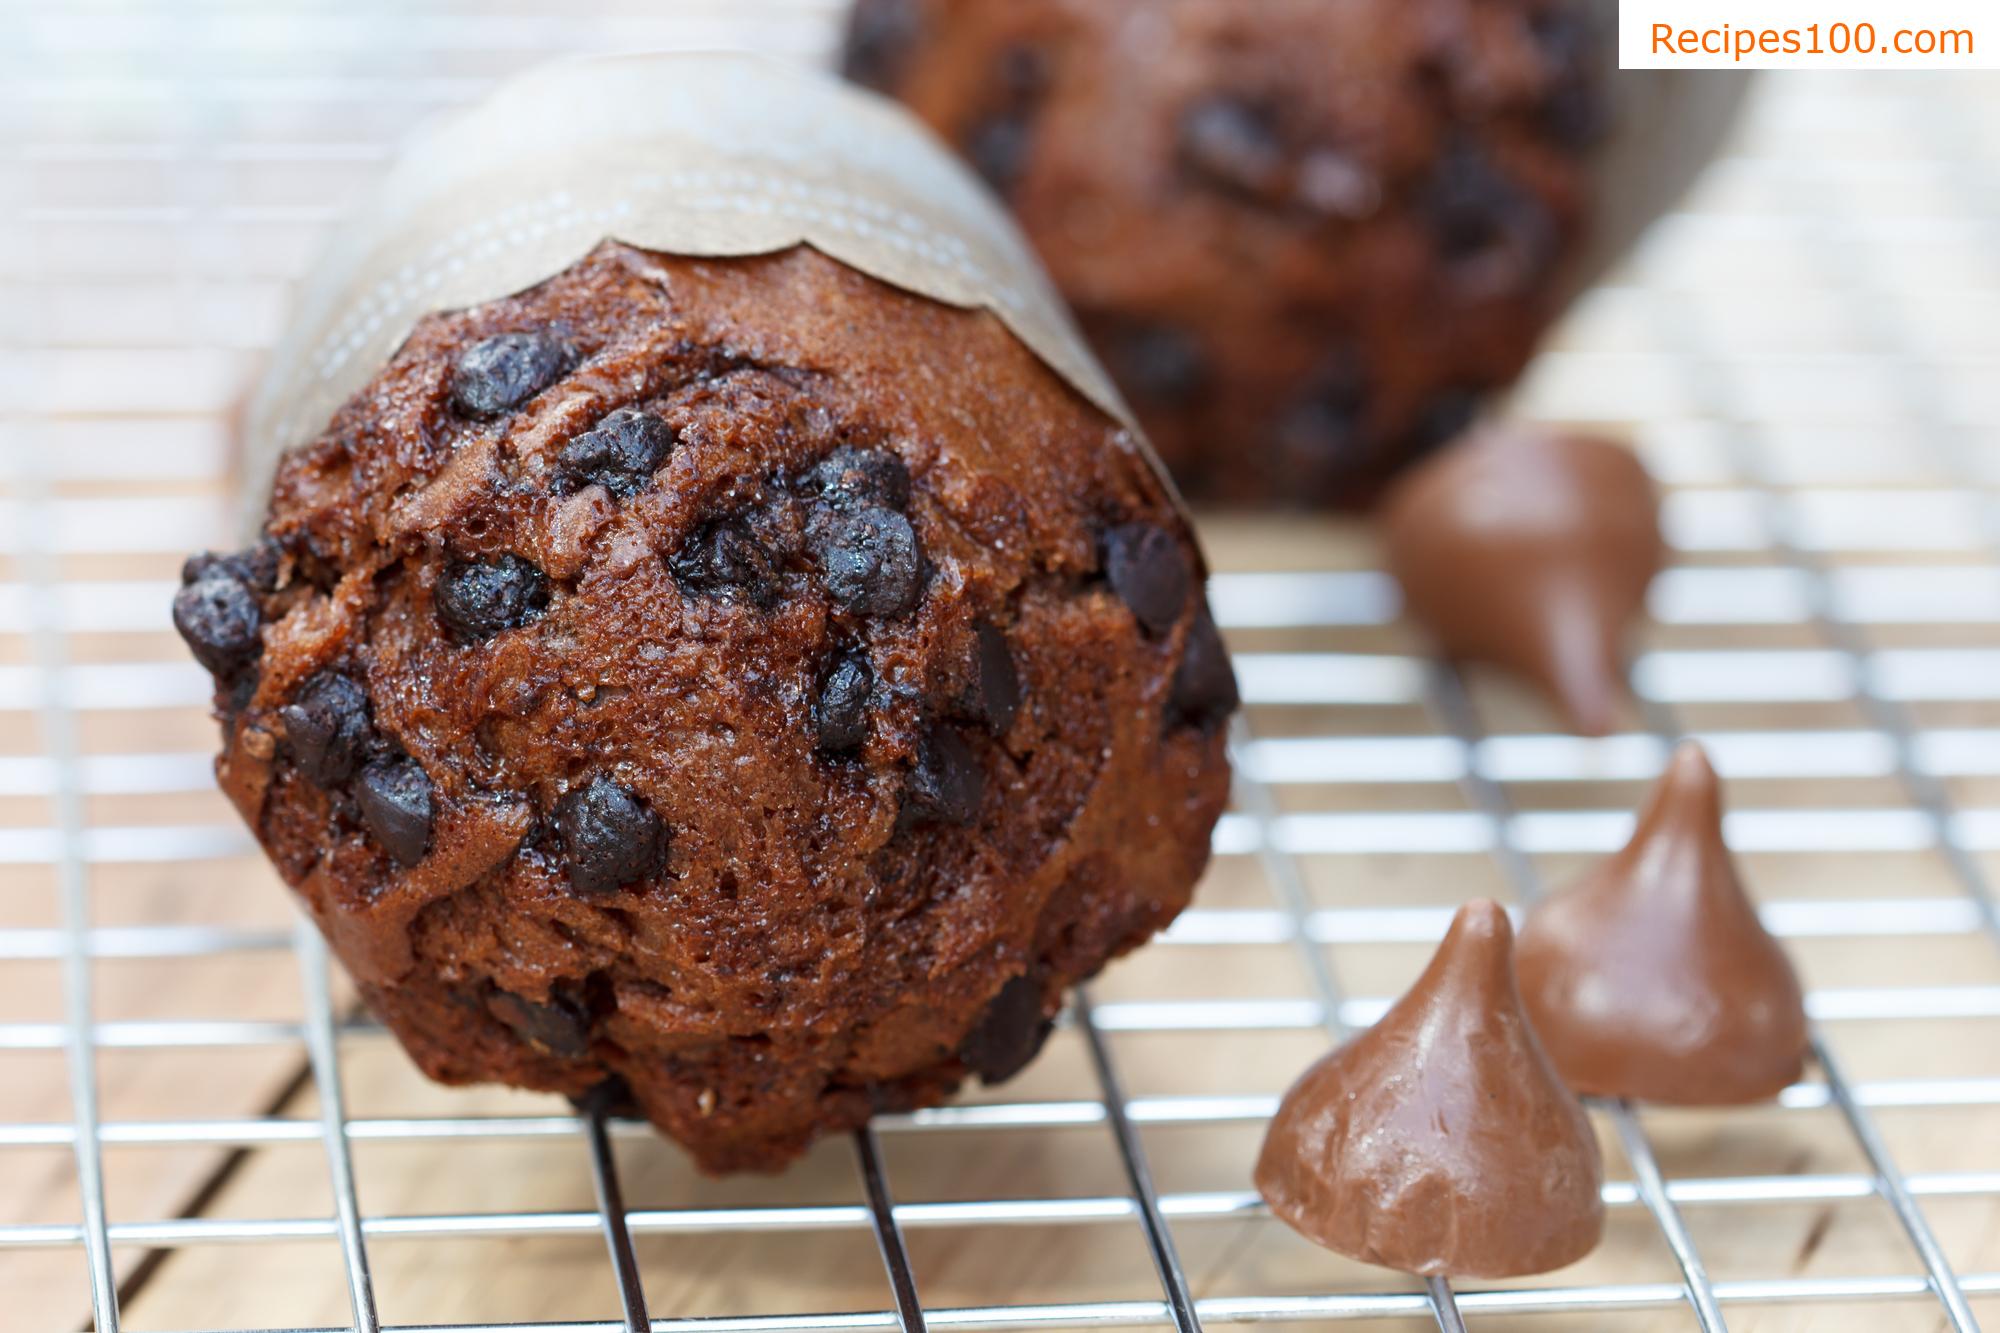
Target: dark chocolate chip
(326, 727)
(613, 1098)
(1319, 439)
(255, 567)
(1443, 419)
(852, 478)
(560, 1027)
(395, 800)
(610, 836)
(997, 685)
(498, 374)
(1149, 572)
(880, 36)
(997, 147)
(947, 783)
(1009, 1033)
(1234, 145)
(1573, 113)
(1484, 224)
(725, 560)
(842, 712)
(1158, 364)
(869, 560)
(620, 453)
(221, 621)
(1204, 689)
(476, 599)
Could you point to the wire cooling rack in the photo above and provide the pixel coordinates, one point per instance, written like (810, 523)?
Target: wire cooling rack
(199, 1130)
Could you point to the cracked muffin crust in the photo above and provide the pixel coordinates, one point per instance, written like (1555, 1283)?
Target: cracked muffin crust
(1305, 236)
(739, 686)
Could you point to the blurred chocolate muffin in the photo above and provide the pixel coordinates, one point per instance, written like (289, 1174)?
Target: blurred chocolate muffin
(1305, 235)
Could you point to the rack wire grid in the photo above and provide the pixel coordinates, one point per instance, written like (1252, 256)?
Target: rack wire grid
(198, 1129)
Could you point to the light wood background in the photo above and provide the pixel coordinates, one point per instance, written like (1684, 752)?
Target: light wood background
(169, 168)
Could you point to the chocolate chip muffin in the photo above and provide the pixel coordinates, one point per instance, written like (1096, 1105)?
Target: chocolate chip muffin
(738, 686)
(1306, 236)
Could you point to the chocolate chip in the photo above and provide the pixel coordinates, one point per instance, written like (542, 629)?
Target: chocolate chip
(1234, 145)
(613, 1098)
(1158, 363)
(1009, 1033)
(842, 711)
(1499, 236)
(1149, 572)
(560, 1027)
(998, 144)
(221, 621)
(947, 783)
(1320, 439)
(725, 560)
(1573, 111)
(476, 599)
(997, 147)
(880, 36)
(996, 685)
(255, 567)
(326, 727)
(611, 837)
(620, 453)
(852, 478)
(869, 559)
(1204, 688)
(395, 800)
(1443, 419)
(498, 374)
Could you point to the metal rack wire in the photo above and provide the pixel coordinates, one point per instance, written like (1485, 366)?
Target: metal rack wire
(1837, 640)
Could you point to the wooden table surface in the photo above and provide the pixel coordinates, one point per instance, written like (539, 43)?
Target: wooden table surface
(1824, 304)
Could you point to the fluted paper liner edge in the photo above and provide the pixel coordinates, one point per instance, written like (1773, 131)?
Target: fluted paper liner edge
(708, 154)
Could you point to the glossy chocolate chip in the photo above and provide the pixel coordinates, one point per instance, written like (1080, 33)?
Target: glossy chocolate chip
(620, 453)
(326, 727)
(500, 373)
(477, 599)
(1158, 364)
(947, 783)
(869, 560)
(1009, 1034)
(853, 478)
(1203, 693)
(255, 567)
(880, 36)
(220, 620)
(996, 684)
(395, 800)
(1234, 145)
(1148, 570)
(842, 711)
(561, 1027)
(725, 560)
(609, 836)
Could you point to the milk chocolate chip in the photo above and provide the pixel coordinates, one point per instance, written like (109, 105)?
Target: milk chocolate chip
(1441, 1141)
(1652, 977)
(1533, 551)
